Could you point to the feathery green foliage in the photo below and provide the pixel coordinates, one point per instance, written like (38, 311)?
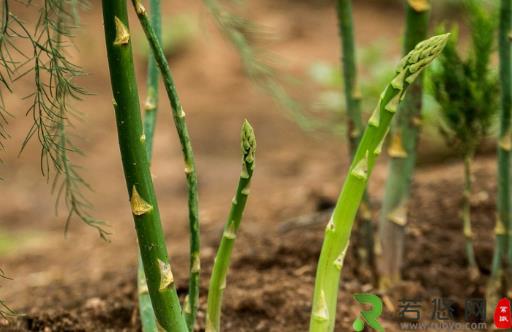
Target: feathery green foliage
(337, 233)
(5, 311)
(240, 32)
(467, 91)
(51, 101)
(222, 259)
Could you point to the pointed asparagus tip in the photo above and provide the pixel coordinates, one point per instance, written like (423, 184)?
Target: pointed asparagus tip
(416, 60)
(248, 142)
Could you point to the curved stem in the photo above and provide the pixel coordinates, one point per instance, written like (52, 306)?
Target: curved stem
(337, 233)
(222, 259)
(143, 200)
(190, 308)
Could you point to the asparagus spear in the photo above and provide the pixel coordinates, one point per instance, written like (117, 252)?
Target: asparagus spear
(143, 200)
(337, 233)
(222, 259)
(178, 113)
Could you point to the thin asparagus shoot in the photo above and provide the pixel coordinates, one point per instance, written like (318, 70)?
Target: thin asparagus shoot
(355, 123)
(402, 150)
(147, 316)
(190, 309)
(143, 200)
(337, 233)
(222, 259)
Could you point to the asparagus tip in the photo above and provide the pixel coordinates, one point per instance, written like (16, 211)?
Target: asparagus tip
(248, 142)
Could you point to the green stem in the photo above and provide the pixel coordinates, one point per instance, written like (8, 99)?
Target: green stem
(151, 104)
(222, 259)
(348, 59)
(190, 308)
(337, 233)
(402, 150)
(354, 121)
(503, 219)
(466, 217)
(146, 312)
(143, 200)
(147, 316)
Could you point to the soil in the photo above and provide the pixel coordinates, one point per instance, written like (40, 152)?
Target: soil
(80, 283)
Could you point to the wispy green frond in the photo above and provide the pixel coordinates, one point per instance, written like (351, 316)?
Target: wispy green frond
(54, 91)
(240, 32)
(466, 87)
(5, 311)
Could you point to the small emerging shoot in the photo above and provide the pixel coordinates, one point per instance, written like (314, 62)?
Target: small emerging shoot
(222, 259)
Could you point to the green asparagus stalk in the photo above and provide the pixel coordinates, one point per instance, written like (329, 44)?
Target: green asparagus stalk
(402, 150)
(147, 316)
(337, 233)
(151, 103)
(222, 259)
(503, 227)
(143, 200)
(190, 308)
(355, 122)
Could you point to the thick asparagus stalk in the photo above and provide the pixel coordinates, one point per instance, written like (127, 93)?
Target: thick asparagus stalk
(190, 309)
(143, 200)
(337, 233)
(503, 247)
(147, 316)
(222, 259)
(402, 150)
(353, 102)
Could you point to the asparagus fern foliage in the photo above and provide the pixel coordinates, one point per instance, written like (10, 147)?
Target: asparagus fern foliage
(467, 91)
(5, 311)
(54, 91)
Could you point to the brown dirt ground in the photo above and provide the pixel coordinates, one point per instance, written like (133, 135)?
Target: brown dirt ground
(79, 283)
